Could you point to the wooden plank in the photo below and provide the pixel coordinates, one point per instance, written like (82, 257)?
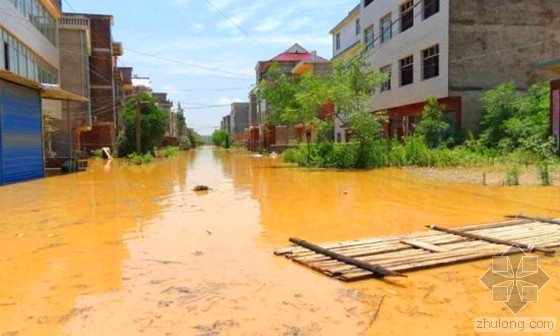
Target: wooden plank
(376, 270)
(536, 219)
(423, 245)
(493, 240)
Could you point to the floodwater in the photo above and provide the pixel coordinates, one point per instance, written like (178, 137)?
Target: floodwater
(123, 250)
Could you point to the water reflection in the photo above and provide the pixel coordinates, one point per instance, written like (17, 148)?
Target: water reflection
(126, 250)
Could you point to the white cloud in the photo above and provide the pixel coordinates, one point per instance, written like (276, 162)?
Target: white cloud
(268, 25)
(228, 101)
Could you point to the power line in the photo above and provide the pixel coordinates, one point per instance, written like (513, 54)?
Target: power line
(234, 23)
(69, 5)
(244, 76)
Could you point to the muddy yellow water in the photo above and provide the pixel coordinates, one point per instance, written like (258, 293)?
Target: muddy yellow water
(121, 250)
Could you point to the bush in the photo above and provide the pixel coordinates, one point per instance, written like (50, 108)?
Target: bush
(185, 142)
(170, 151)
(97, 153)
(140, 159)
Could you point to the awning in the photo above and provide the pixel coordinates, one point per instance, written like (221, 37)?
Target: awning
(47, 91)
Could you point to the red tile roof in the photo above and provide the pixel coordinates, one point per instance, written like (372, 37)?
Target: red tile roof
(297, 54)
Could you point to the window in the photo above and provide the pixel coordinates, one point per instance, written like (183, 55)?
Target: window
(6, 56)
(368, 37)
(358, 27)
(430, 62)
(337, 41)
(386, 28)
(431, 7)
(386, 86)
(367, 2)
(407, 67)
(407, 15)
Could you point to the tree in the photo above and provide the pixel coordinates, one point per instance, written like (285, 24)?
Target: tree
(351, 86)
(512, 120)
(220, 138)
(433, 127)
(153, 122)
(294, 100)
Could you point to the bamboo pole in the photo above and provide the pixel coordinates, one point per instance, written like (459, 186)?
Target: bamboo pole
(376, 270)
(536, 219)
(493, 240)
(442, 239)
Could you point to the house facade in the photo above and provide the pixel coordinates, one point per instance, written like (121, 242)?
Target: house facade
(75, 51)
(272, 137)
(102, 61)
(239, 122)
(29, 84)
(171, 136)
(454, 50)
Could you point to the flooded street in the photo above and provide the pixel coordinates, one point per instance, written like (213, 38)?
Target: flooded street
(127, 250)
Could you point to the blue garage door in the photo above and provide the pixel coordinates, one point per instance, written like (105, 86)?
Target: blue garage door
(21, 144)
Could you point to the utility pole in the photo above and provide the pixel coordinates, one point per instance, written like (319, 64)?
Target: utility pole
(138, 124)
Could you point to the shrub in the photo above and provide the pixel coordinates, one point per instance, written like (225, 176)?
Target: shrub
(170, 151)
(97, 153)
(512, 176)
(140, 159)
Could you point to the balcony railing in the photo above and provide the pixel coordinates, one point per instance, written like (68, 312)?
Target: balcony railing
(74, 22)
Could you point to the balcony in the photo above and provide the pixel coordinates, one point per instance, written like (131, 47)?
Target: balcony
(117, 49)
(74, 22)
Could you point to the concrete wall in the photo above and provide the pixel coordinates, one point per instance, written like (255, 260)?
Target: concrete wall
(424, 34)
(240, 117)
(347, 30)
(14, 22)
(499, 41)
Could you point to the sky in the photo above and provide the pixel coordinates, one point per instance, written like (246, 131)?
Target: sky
(203, 53)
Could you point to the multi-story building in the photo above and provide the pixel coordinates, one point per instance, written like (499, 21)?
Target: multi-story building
(75, 51)
(294, 60)
(124, 89)
(171, 136)
(239, 122)
(102, 62)
(454, 50)
(347, 34)
(29, 85)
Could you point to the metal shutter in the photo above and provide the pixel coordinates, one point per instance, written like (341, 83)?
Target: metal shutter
(21, 142)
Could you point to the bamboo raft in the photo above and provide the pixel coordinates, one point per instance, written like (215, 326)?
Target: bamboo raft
(394, 255)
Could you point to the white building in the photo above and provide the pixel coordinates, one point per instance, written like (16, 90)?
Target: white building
(454, 50)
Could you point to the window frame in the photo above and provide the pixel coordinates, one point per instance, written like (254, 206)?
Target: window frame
(337, 41)
(428, 56)
(432, 5)
(408, 67)
(358, 26)
(371, 30)
(384, 28)
(406, 9)
(386, 86)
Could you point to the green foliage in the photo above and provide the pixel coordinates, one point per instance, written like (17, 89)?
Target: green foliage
(220, 138)
(140, 159)
(512, 176)
(153, 124)
(544, 174)
(185, 142)
(97, 153)
(514, 121)
(181, 121)
(433, 126)
(170, 151)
